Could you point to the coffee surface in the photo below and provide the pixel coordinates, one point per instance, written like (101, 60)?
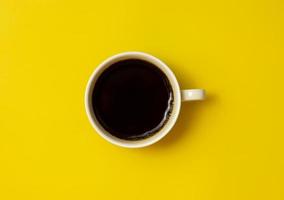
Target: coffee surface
(132, 99)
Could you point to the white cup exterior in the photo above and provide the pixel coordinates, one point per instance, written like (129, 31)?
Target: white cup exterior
(176, 102)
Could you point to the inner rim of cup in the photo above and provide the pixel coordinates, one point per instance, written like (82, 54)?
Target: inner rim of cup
(176, 102)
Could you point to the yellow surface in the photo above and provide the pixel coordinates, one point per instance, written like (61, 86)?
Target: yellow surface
(230, 146)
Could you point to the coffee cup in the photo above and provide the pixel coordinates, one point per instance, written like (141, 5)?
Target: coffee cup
(177, 97)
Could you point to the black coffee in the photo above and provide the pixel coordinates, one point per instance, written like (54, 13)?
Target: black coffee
(132, 99)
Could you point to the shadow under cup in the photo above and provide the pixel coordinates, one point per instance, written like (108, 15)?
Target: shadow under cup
(115, 91)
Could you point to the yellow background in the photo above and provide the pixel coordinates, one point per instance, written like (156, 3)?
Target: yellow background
(230, 146)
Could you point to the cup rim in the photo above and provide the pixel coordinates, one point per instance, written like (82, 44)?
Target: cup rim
(136, 143)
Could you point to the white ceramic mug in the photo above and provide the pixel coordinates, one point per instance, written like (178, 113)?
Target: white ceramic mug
(179, 96)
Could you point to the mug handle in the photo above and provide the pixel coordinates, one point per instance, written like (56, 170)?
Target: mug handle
(192, 95)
